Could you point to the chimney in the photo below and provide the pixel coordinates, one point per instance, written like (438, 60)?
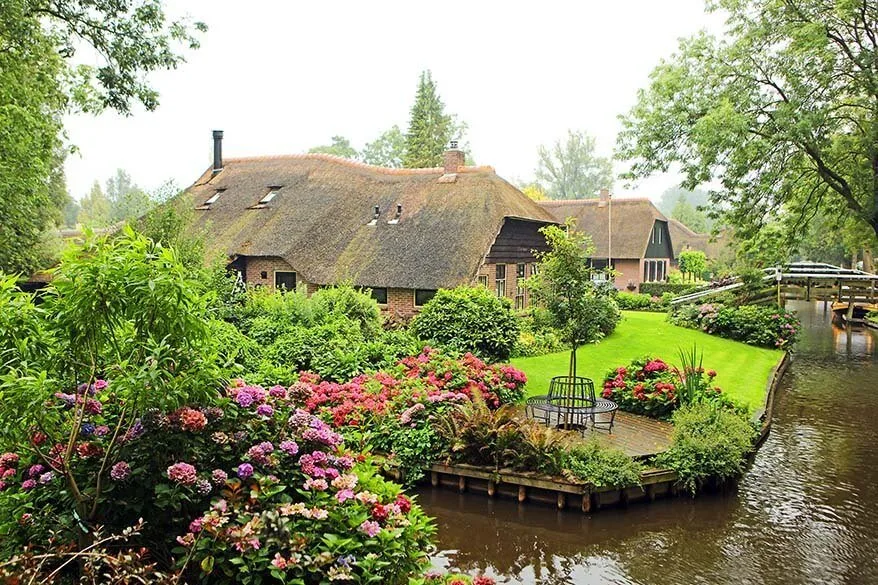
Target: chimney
(604, 198)
(454, 158)
(217, 151)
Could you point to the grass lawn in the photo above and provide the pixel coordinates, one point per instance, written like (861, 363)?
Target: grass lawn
(742, 370)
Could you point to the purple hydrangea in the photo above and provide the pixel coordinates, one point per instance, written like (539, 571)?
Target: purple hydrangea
(244, 470)
(102, 430)
(264, 410)
(35, 470)
(203, 487)
(244, 399)
(87, 428)
(289, 447)
(28, 484)
(120, 471)
(47, 477)
(277, 392)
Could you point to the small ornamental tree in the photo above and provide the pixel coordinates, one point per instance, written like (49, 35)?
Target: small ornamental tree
(693, 263)
(579, 308)
(469, 319)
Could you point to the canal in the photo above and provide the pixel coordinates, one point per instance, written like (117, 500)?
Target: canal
(806, 512)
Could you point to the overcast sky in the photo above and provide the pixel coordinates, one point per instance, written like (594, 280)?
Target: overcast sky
(280, 77)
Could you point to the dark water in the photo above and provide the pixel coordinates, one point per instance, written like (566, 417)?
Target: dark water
(805, 513)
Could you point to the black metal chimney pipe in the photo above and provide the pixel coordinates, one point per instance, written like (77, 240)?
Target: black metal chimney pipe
(217, 151)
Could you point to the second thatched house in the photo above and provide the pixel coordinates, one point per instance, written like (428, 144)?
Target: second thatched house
(631, 235)
(312, 220)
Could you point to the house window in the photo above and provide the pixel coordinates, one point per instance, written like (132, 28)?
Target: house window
(380, 295)
(534, 269)
(483, 281)
(520, 297)
(653, 270)
(500, 280)
(656, 234)
(520, 270)
(423, 296)
(284, 280)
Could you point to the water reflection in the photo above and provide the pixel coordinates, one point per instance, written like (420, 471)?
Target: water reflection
(805, 513)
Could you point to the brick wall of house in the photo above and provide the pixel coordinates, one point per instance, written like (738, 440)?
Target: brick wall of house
(489, 272)
(628, 270)
(256, 266)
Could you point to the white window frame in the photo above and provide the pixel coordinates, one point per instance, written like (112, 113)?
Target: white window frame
(274, 278)
(213, 198)
(483, 280)
(498, 282)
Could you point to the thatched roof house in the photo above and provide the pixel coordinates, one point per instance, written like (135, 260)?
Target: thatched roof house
(714, 247)
(316, 219)
(630, 233)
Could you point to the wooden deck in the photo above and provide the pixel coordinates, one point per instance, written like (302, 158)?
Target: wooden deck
(637, 436)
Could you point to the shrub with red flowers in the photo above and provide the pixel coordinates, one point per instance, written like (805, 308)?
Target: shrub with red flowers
(652, 387)
(647, 386)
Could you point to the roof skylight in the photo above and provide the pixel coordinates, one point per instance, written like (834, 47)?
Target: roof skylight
(213, 198)
(270, 195)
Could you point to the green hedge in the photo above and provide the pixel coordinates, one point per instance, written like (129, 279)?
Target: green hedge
(657, 289)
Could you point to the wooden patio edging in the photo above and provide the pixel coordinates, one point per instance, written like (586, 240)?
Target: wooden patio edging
(532, 486)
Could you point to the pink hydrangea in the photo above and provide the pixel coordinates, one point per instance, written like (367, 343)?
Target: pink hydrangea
(219, 477)
(182, 473)
(28, 484)
(289, 447)
(120, 471)
(370, 528)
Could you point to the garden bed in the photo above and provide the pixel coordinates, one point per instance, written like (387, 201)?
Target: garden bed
(563, 494)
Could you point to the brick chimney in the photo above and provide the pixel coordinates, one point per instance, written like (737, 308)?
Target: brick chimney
(604, 198)
(454, 158)
(217, 151)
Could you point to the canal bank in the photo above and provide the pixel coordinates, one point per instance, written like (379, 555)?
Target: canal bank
(803, 513)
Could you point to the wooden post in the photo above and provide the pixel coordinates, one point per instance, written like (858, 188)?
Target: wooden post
(808, 289)
(650, 492)
(586, 502)
(434, 479)
(461, 484)
(562, 500)
(522, 494)
(492, 488)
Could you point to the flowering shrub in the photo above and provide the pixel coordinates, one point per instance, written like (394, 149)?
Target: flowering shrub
(253, 482)
(762, 326)
(647, 386)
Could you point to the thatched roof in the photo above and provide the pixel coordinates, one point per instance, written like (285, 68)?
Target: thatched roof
(684, 238)
(633, 219)
(319, 220)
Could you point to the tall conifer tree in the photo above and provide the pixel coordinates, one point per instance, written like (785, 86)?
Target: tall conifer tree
(430, 128)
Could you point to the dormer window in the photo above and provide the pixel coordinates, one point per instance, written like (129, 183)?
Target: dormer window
(269, 196)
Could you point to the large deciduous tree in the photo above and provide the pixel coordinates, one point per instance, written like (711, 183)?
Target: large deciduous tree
(570, 169)
(339, 146)
(39, 83)
(387, 150)
(782, 112)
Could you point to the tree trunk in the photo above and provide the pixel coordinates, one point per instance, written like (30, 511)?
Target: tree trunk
(867, 260)
(854, 260)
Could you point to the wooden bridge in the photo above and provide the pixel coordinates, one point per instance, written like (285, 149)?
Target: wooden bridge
(849, 289)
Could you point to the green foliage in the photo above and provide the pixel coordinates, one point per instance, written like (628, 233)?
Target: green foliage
(469, 319)
(693, 263)
(387, 150)
(169, 224)
(763, 326)
(537, 336)
(95, 208)
(780, 110)
(693, 218)
(430, 128)
(24, 337)
(344, 302)
(571, 170)
(642, 302)
(599, 466)
(657, 289)
(340, 146)
(708, 442)
(32, 104)
(581, 310)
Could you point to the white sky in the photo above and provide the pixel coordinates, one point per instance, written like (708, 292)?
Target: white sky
(281, 76)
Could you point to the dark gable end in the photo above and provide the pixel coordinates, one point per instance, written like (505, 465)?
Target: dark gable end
(321, 219)
(660, 245)
(517, 241)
